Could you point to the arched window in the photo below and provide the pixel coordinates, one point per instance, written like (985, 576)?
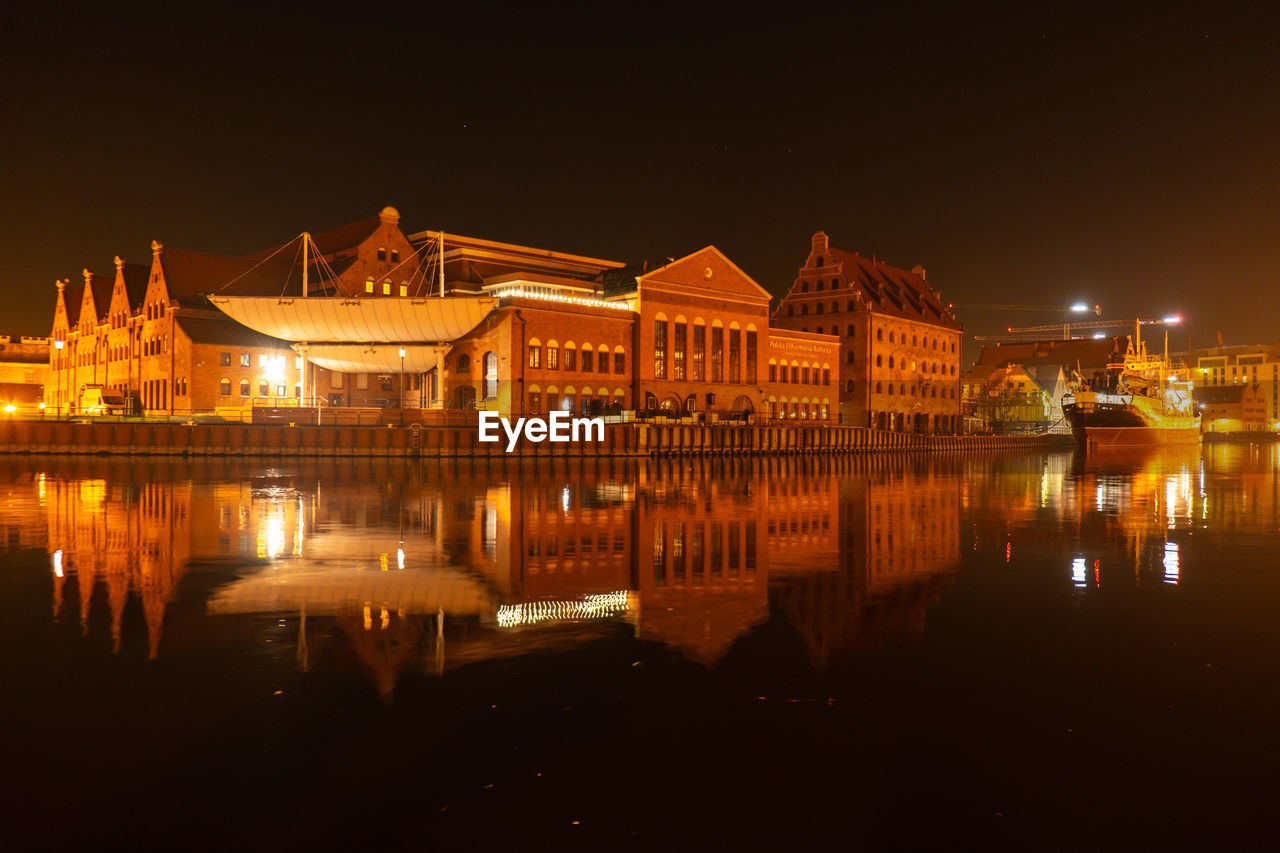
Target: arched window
(264, 388)
(877, 361)
(891, 362)
(819, 263)
(879, 334)
(849, 357)
(902, 388)
(490, 375)
(913, 340)
(464, 363)
(890, 389)
(224, 387)
(822, 285)
(849, 307)
(835, 283)
(791, 310)
(849, 331)
(835, 306)
(848, 385)
(368, 285)
(244, 387)
(804, 287)
(820, 309)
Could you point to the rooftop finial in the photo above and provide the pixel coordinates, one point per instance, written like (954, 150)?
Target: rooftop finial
(119, 262)
(389, 215)
(156, 247)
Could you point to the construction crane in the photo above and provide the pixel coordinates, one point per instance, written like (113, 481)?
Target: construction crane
(1057, 332)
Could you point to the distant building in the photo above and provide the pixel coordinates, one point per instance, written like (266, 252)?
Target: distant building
(23, 365)
(899, 344)
(1241, 365)
(1013, 398)
(1231, 408)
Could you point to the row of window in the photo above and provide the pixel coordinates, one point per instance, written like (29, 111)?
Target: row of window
(386, 287)
(549, 358)
(264, 388)
(395, 254)
(246, 360)
(692, 363)
(800, 375)
(821, 285)
(926, 367)
(913, 390)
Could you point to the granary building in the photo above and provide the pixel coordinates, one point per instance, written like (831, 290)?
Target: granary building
(899, 344)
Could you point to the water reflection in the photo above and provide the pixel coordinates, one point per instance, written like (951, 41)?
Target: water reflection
(423, 568)
(419, 569)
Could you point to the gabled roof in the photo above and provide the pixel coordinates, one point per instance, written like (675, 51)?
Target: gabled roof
(72, 298)
(213, 330)
(189, 274)
(690, 272)
(100, 289)
(893, 291)
(135, 283)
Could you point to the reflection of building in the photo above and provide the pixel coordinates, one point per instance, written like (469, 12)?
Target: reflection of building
(900, 546)
(391, 569)
(899, 345)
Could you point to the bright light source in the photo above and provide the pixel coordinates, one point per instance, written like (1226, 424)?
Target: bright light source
(42, 404)
(1173, 319)
(10, 408)
(402, 352)
(1079, 308)
(57, 344)
(1097, 336)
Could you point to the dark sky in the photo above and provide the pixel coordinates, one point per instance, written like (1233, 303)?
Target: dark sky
(1039, 156)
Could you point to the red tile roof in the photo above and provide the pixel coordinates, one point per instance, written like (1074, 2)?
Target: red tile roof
(893, 291)
(189, 274)
(211, 330)
(1090, 354)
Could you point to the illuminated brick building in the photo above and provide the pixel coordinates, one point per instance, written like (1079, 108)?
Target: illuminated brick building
(366, 317)
(899, 344)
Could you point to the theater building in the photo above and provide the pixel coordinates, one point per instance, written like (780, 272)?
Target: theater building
(899, 343)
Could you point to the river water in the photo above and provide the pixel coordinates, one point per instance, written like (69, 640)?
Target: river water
(1015, 650)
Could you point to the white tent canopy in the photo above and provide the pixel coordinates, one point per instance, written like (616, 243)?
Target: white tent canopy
(338, 588)
(387, 319)
(373, 358)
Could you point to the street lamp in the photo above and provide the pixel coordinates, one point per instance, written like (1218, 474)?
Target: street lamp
(401, 386)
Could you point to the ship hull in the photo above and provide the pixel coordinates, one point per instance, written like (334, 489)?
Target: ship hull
(1097, 421)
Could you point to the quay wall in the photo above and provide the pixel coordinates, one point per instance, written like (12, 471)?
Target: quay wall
(622, 439)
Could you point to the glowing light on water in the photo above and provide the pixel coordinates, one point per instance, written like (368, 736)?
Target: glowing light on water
(1077, 572)
(600, 606)
(1171, 568)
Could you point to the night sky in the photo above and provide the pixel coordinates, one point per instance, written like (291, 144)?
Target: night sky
(1035, 157)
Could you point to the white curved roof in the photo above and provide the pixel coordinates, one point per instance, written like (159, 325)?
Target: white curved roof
(338, 588)
(340, 318)
(373, 358)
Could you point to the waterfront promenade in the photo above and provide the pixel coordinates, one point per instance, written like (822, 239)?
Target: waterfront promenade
(620, 439)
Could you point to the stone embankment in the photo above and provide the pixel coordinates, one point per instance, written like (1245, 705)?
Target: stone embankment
(620, 439)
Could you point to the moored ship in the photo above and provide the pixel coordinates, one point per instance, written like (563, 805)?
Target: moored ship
(1140, 401)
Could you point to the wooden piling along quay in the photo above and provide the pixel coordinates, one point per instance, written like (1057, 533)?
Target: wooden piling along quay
(622, 439)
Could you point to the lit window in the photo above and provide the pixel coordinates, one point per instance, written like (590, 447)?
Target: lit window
(264, 388)
(382, 253)
(386, 288)
(368, 286)
(404, 290)
(244, 359)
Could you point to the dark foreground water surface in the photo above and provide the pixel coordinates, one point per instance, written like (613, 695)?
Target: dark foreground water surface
(1023, 650)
